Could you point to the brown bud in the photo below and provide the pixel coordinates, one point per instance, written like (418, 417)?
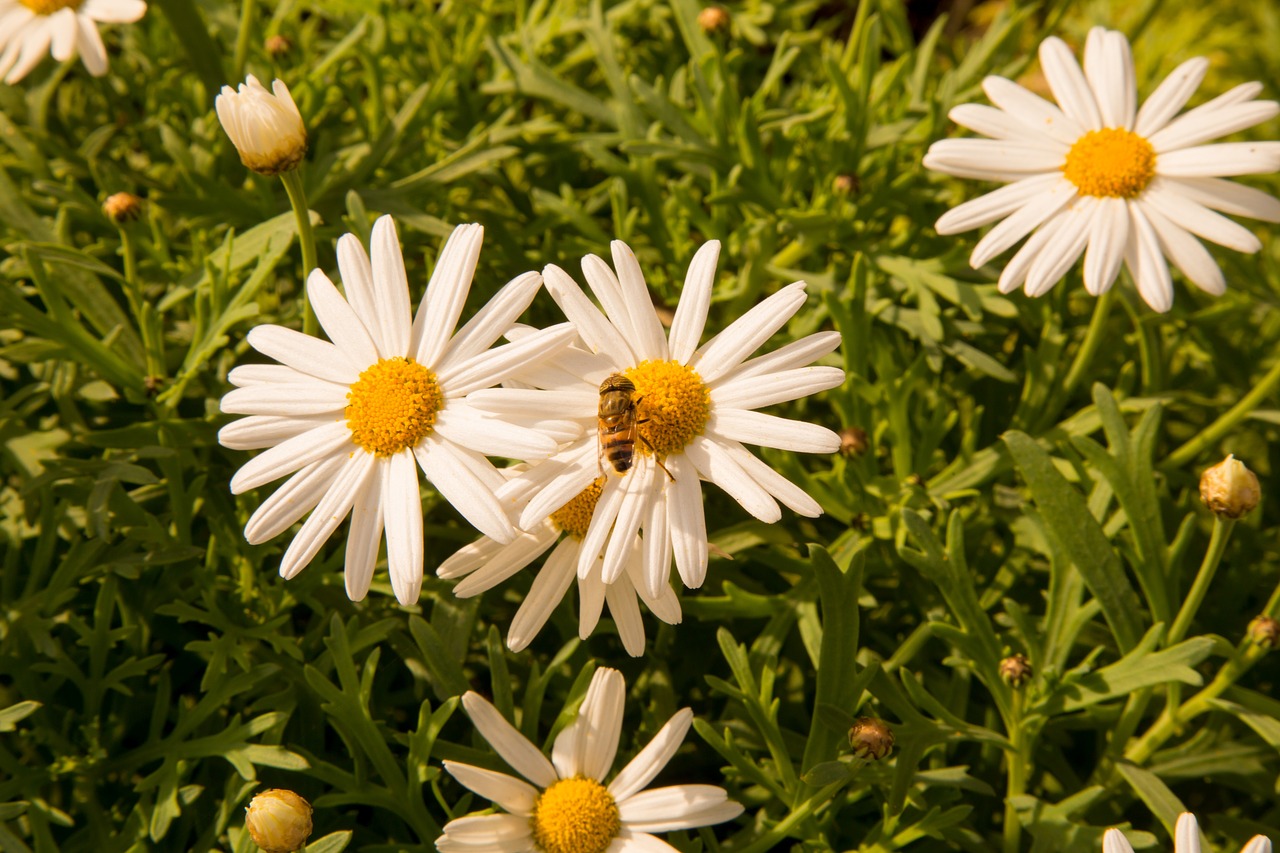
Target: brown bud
(1264, 631)
(847, 184)
(853, 441)
(713, 19)
(871, 739)
(278, 45)
(1015, 670)
(122, 207)
(1229, 489)
(278, 821)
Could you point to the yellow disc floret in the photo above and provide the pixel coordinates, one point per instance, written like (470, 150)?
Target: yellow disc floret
(48, 7)
(393, 405)
(576, 815)
(575, 517)
(673, 405)
(1111, 162)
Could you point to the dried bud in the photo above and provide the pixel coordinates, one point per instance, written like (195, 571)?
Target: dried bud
(1229, 488)
(1015, 670)
(1264, 631)
(278, 45)
(122, 207)
(847, 184)
(278, 821)
(871, 739)
(853, 441)
(266, 128)
(713, 19)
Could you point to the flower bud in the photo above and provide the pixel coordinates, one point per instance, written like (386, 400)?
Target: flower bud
(1229, 489)
(847, 184)
(278, 821)
(713, 19)
(1264, 631)
(122, 207)
(871, 739)
(853, 441)
(278, 45)
(265, 128)
(1015, 670)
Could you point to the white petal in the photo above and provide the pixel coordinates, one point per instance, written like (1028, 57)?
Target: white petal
(390, 288)
(446, 294)
(997, 124)
(289, 456)
(258, 431)
(695, 298)
(1186, 834)
(591, 741)
(648, 763)
(1197, 127)
(328, 514)
(341, 324)
(1146, 263)
(93, 53)
(62, 25)
(590, 600)
(687, 523)
(515, 748)
(259, 374)
(547, 591)
(492, 321)
(1115, 842)
(601, 523)
(463, 425)
(1108, 65)
(625, 610)
(791, 495)
(311, 398)
(1257, 844)
(1108, 235)
(1170, 96)
(1015, 272)
(744, 336)
(714, 464)
(365, 536)
(294, 499)
(497, 833)
(568, 402)
(469, 557)
(808, 349)
(999, 156)
(637, 486)
(1070, 88)
(496, 365)
(1187, 253)
(771, 431)
(753, 392)
(114, 11)
(1222, 160)
(1227, 197)
(357, 281)
(513, 795)
(457, 484)
(1022, 222)
(513, 557)
(604, 285)
(666, 604)
(304, 353)
(655, 557)
(677, 807)
(580, 469)
(1060, 253)
(651, 341)
(596, 331)
(1039, 115)
(402, 506)
(1199, 220)
(638, 842)
(996, 204)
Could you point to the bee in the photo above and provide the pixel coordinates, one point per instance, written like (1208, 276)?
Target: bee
(618, 419)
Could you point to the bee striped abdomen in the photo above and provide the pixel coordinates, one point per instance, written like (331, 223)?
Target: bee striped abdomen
(616, 425)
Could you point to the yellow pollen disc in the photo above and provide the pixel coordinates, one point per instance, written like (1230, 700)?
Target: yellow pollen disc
(1110, 162)
(575, 517)
(673, 403)
(576, 815)
(393, 405)
(48, 7)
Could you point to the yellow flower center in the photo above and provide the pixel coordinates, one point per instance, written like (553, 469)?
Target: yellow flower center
(575, 517)
(1110, 162)
(48, 7)
(576, 815)
(393, 405)
(673, 403)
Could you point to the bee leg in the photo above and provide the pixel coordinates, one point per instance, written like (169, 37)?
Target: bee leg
(655, 457)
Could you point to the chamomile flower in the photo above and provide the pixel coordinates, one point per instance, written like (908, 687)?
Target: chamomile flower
(485, 563)
(352, 420)
(565, 806)
(695, 413)
(29, 28)
(264, 126)
(1096, 175)
(1186, 839)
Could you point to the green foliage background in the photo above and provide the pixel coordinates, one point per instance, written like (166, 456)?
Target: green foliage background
(154, 670)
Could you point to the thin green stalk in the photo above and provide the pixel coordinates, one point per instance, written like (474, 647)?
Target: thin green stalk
(1092, 340)
(797, 816)
(1016, 765)
(248, 14)
(1216, 430)
(1217, 545)
(298, 199)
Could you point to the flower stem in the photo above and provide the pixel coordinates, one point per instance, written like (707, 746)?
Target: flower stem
(1016, 760)
(1216, 430)
(247, 16)
(1217, 545)
(298, 199)
(1092, 340)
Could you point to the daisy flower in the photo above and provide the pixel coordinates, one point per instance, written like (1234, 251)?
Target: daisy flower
(565, 806)
(695, 410)
(1186, 839)
(352, 420)
(486, 563)
(64, 28)
(264, 126)
(1096, 175)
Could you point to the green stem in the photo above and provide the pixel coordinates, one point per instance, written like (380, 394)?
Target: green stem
(1016, 760)
(248, 12)
(1217, 545)
(1092, 340)
(1216, 430)
(298, 199)
(768, 840)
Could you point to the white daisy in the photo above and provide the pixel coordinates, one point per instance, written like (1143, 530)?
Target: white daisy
(265, 127)
(696, 404)
(355, 418)
(1186, 839)
(29, 28)
(1100, 177)
(485, 563)
(568, 808)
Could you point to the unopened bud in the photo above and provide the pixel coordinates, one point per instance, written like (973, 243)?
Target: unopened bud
(713, 19)
(1229, 489)
(853, 441)
(871, 738)
(278, 821)
(847, 184)
(122, 207)
(1264, 631)
(278, 45)
(265, 126)
(1015, 670)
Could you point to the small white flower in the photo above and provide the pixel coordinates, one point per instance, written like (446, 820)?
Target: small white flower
(1097, 176)
(485, 563)
(266, 129)
(699, 404)
(30, 28)
(568, 808)
(355, 418)
(1186, 839)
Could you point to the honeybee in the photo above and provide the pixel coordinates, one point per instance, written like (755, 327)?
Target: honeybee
(618, 419)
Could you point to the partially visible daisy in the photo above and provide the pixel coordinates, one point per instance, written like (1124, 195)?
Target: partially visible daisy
(565, 806)
(1097, 176)
(1186, 839)
(485, 563)
(30, 28)
(264, 126)
(697, 404)
(356, 418)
